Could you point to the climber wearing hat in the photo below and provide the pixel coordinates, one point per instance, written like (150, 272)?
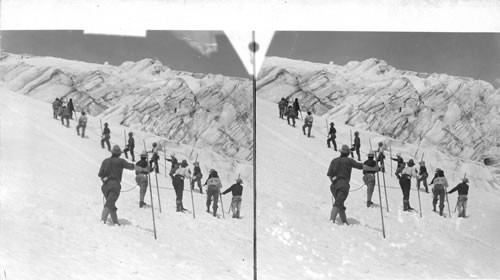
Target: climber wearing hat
(440, 184)
(130, 146)
(339, 173)
(401, 164)
(155, 157)
(82, 123)
(110, 172)
(106, 136)
(173, 166)
(213, 190)
(356, 145)
(405, 182)
(369, 169)
(180, 174)
(463, 191)
(423, 176)
(237, 190)
(142, 169)
(197, 176)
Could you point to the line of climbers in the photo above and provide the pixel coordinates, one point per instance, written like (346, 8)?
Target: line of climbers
(339, 173)
(292, 113)
(111, 170)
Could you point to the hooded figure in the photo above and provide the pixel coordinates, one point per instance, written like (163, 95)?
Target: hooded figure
(237, 190)
(110, 172)
(339, 173)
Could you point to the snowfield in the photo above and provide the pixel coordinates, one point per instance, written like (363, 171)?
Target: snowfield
(296, 240)
(51, 202)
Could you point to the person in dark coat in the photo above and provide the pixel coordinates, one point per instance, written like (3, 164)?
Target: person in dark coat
(82, 123)
(339, 173)
(197, 175)
(282, 107)
(463, 192)
(401, 164)
(110, 172)
(296, 106)
(356, 145)
(65, 115)
(71, 108)
(292, 114)
(55, 107)
(213, 190)
(174, 165)
(369, 169)
(405, 183)
(142, 169)
(332, 134)
(130, 146)
(106, 135)
(237, 190)
(423, 176)
(439, 189)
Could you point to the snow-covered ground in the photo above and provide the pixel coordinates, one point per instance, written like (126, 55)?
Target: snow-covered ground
(50, 205)
(296, 240)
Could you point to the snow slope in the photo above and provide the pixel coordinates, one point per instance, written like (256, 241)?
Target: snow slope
(296, 240)
(204, 110)
(50, 206)
(457, 115)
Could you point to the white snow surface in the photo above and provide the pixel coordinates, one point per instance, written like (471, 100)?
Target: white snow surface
(51, 202)
(296, 240)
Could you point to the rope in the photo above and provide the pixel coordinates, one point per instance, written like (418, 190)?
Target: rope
(358, 188)
(130, 189)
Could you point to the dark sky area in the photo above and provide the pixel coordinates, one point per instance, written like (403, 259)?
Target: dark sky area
(475, 55)
(170, 49)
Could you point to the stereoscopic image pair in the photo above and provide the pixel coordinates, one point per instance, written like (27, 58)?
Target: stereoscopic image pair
(345, 155)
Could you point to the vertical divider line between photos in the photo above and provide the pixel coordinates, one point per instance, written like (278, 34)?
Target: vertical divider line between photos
(254, 86)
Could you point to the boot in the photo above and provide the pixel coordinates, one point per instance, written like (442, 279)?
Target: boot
(201, 190)
(434, 207)
(208, 207)
(182, 207)
(104, 216)
(114, 217)
(343, 217)
(369, 203)
(215, 212)
(440, 211)
(333, 214)
(178, 204)
(141, 204)
(406, 206)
